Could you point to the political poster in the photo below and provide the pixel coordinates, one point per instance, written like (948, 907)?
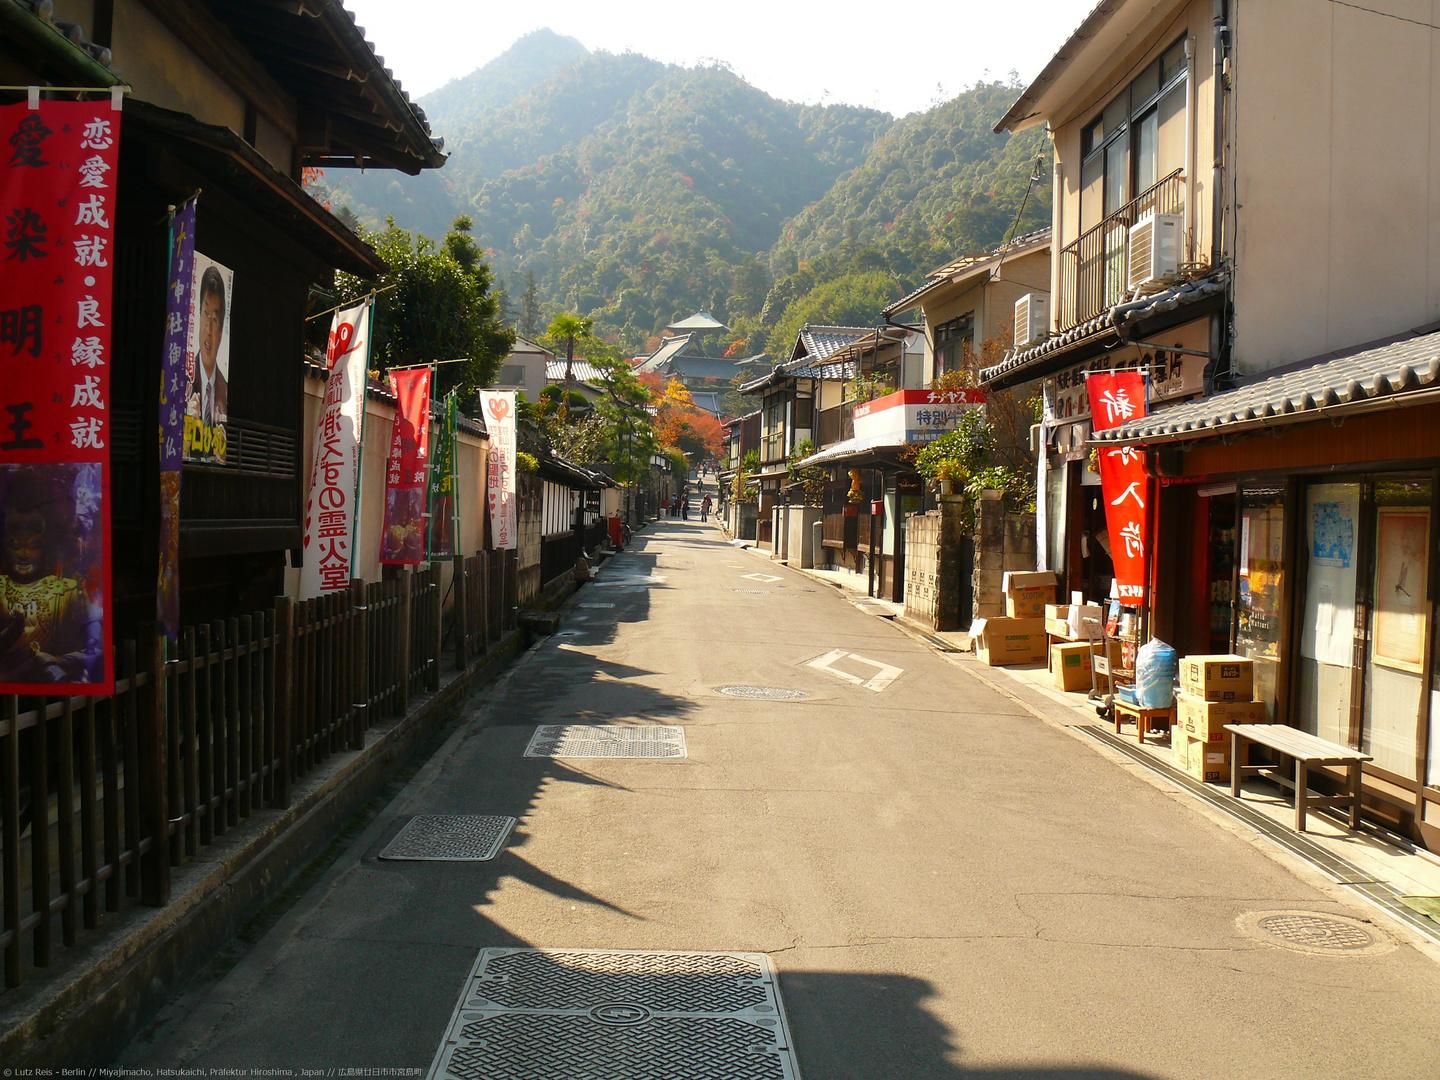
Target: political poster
(58, 176)
(330, 507)
(443, 507)
(174, 393)
(1116, 398)
(207, 406)
(498, 409)
(402, 540)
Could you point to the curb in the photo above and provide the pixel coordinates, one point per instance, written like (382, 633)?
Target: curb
(86, 1014)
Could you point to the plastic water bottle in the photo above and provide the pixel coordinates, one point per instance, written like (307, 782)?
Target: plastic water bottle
(1156, 667)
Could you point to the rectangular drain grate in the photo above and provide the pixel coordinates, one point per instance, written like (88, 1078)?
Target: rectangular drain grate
(450, 838)
(606, 741)
(531, 1013)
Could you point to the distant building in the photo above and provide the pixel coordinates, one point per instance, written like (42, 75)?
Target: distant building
(525, 369)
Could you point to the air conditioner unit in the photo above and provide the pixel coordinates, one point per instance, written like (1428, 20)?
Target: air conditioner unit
(1032, 319)
(1154, 249)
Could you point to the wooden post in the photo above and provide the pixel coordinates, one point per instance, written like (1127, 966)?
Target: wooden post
(459, 622)
(10, 823)
(284, 699)
(150, 738)
(359, 683)
(437, 634)
(402, 698)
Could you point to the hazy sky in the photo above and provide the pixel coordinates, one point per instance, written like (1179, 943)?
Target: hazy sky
(887, 57)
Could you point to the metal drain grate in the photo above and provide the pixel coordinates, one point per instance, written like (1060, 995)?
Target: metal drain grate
(763, 693)
(450, 838)
(528, 1013)
(761, 591)
(607, 741)
(597, 605)
(1316, 932)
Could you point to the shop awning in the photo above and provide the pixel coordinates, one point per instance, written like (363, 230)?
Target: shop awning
(1393, 375)
(851, 451)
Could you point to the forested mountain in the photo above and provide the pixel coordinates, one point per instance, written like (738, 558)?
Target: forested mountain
(636, 192)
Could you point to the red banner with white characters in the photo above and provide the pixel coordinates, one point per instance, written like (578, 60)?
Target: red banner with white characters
(1115, 399)
(58, 165)
(407, 481)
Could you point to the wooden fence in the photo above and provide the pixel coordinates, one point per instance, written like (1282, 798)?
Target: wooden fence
(101, 797)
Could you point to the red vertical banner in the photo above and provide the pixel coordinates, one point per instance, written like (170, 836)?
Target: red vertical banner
(1115, 399)
(402, 541)
(58, 166)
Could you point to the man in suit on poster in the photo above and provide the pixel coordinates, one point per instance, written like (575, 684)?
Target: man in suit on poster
(209, 399)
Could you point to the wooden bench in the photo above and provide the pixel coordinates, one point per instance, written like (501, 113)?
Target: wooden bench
(1144, 718)
(1305, 750)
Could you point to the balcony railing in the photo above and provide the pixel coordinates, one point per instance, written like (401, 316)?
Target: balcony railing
(1093, 268)
(834, 425)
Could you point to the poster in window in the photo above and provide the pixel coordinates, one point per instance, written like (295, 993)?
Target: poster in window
(207, 406)
(1402, 535)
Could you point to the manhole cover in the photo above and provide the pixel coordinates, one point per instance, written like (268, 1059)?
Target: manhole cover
(764, 693)
(450, 838)
(529, 1013)
(570, 633)
(607, 741)
(1313, 932)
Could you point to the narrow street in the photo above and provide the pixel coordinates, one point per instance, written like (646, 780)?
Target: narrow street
(947, 885)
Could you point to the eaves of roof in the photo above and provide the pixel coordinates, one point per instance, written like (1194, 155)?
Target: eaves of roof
(961, 270)
(1394, 375)
(1024, 106)
(65, 51)
(1025, 363)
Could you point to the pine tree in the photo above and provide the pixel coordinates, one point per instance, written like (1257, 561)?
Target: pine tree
(529, 326)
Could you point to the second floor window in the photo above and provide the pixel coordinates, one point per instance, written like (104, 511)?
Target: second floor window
(773, 437)
(1137, 140)
(951, 340)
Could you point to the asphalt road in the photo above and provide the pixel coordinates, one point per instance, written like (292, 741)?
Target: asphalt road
(948, 886)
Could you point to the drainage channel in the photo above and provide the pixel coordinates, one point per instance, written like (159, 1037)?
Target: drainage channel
(1342, 870)
(528, 1013)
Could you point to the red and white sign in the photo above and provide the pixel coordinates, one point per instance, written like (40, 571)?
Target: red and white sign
(58, 176)
(907, 417)
(1117, 398)
(335, 472)
(402, 542)
(498, 409)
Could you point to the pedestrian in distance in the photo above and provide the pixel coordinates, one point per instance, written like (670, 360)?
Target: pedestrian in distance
(705, 509)
(665, 506)
(685, 507)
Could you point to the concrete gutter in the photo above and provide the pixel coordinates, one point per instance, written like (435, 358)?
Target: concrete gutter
(85, 1009)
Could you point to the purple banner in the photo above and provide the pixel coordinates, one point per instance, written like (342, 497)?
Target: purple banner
(174, 388)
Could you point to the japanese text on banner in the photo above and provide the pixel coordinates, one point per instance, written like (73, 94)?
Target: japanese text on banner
(443, 509)
(1116, 398)
(58, 166)
(402, 541)
(174, 389)
(498, 409)
(330, 510)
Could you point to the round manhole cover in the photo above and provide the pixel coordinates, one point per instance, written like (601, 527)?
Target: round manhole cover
(764, 693)
(1314, 932)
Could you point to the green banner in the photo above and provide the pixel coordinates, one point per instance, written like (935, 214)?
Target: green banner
(443, 508)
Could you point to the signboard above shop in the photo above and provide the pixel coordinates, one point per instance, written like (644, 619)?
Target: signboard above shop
(910, 417)
(1172, 375)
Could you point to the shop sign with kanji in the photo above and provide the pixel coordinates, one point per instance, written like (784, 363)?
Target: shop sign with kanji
(1117, 398)
(58, 166)
(402, 541)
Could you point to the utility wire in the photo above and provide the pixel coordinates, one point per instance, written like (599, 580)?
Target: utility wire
(1384, 14)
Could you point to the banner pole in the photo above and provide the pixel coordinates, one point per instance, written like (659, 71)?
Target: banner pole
(362, 390)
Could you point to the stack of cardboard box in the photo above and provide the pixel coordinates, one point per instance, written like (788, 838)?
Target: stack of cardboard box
(1214, 691)
(1019, 637)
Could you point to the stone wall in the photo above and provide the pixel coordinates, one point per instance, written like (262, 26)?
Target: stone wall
(937, 556)
(1003, 541)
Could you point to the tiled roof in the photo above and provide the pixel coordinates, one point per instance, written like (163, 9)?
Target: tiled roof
(668, 348)
(701, 320)
(964, 265)
(580, 371)
(1385, 374)
(1110, 322)
(820, 341)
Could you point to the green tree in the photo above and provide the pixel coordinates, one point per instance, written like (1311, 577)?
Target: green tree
(529, 325)
(623, 407)
(429, 306)
(852, 300)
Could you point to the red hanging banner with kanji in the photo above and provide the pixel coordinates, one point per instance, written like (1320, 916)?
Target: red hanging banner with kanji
(406, 479)
(1115, 399)
(58, 165)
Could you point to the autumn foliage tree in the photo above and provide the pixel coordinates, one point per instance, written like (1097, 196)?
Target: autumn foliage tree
(682, 425)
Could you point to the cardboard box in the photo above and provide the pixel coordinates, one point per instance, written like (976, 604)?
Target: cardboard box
(1086, 620)
(1009, 641)
(1070, 664)
(1206, 720)
(1028, 592)
(1218, 677)
(1208, 762)
(1057, 612)
(1179, 747)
